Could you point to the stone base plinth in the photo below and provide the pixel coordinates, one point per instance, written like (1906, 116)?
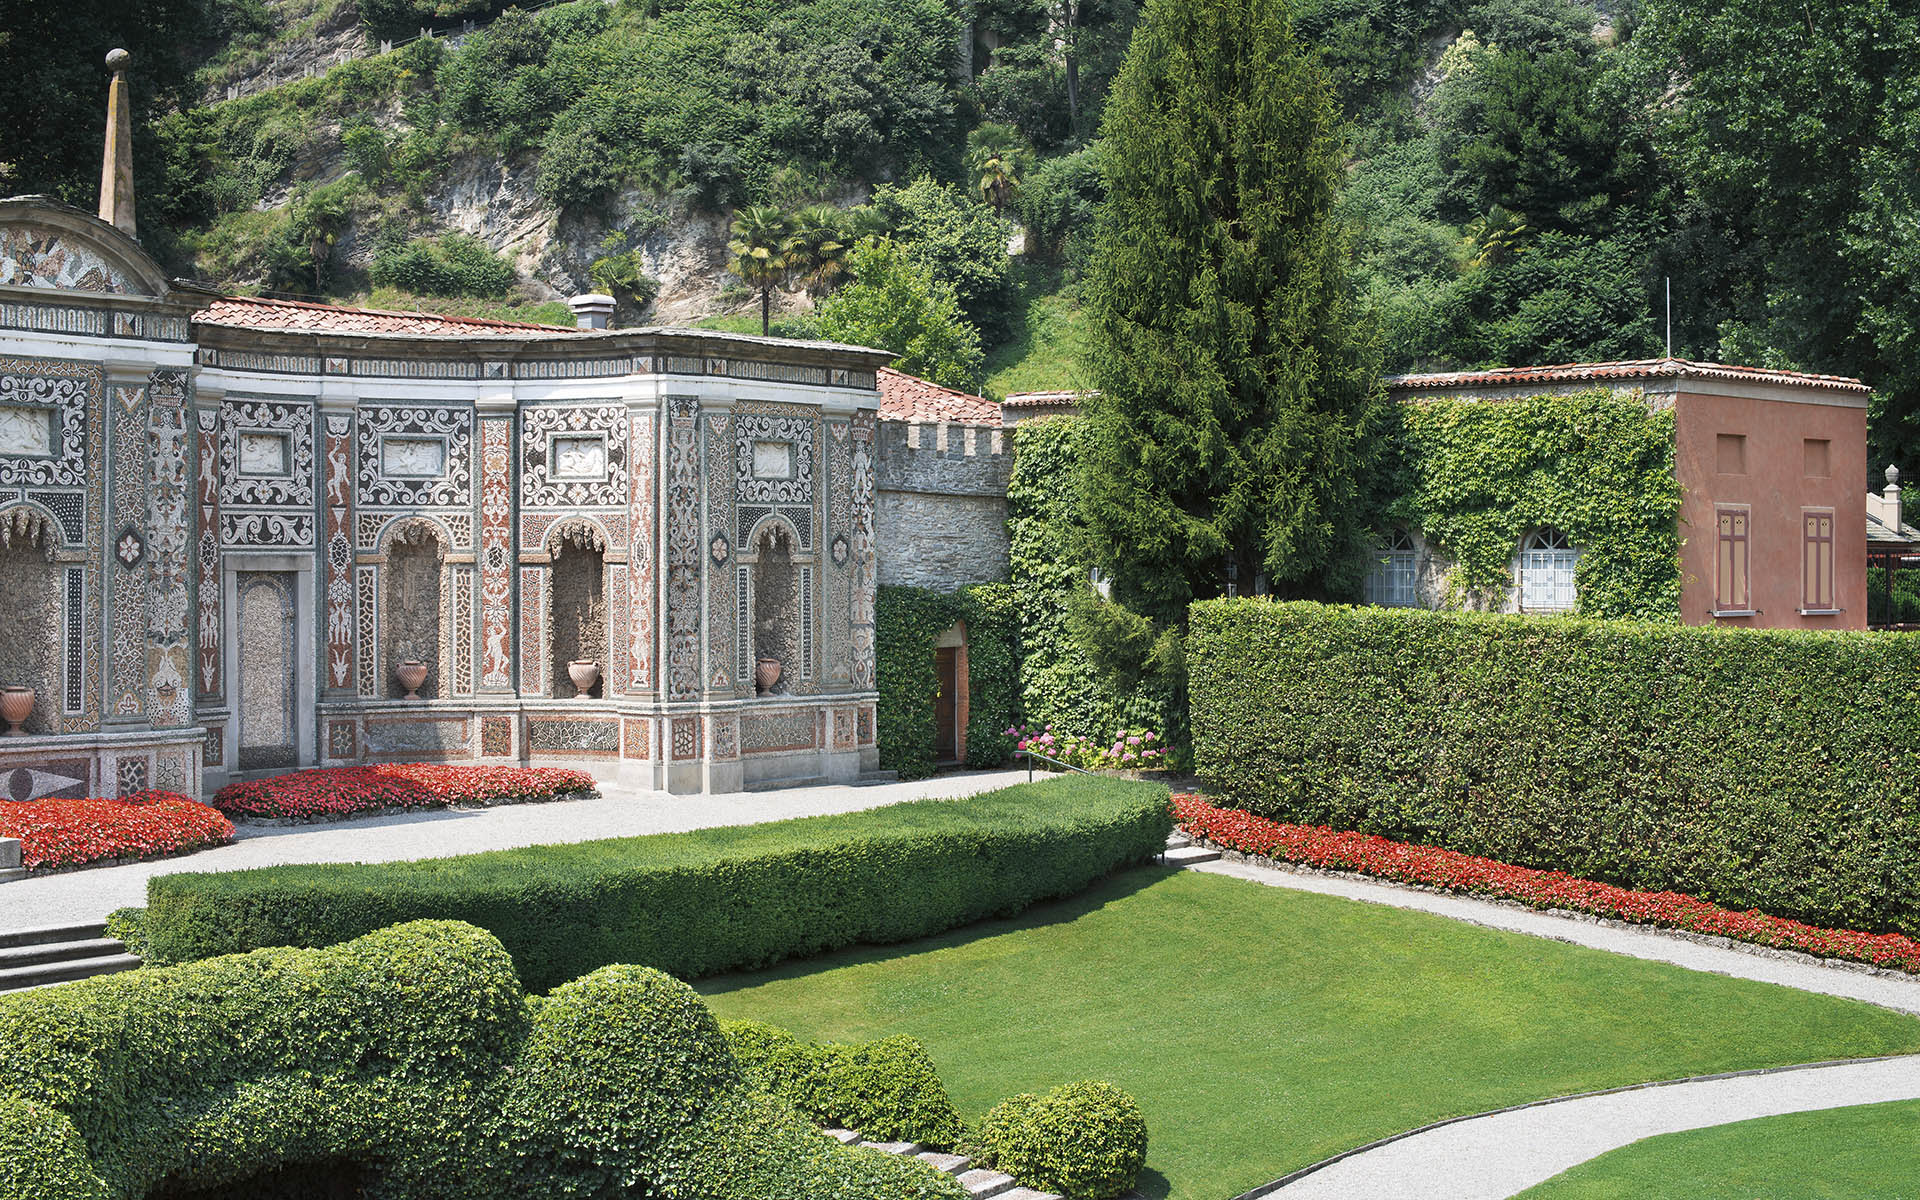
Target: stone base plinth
(101, 764)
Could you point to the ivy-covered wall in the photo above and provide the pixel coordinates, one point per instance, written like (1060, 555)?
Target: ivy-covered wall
(909, 622)
(1595, 465)
(1047, 564)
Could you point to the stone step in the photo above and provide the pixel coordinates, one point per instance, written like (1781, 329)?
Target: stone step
(872, 778)
(952, 1164)
(27, 956)
(901, 1148)
(16, 978)
(53, 933)
(846, 1137)
(1178, 841)
(774, 785)
(1027, 1193)
(1189, 856)
(982, 1183)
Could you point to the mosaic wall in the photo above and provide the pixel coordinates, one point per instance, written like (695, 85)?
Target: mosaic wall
(169, 689)
(338, 490)
(272, 556)
(266, 474)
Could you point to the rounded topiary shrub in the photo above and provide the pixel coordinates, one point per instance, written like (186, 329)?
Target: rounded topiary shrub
(1085, 1140)
(41, 1155)
(888, 1090)
(617, 1066)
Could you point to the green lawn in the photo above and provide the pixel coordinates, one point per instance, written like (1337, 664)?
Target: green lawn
(1840, 1154)
(1263, 1029)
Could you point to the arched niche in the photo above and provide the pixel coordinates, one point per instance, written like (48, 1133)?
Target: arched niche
(577, 598)
(777, 615)
(30, 597)
(412, 603)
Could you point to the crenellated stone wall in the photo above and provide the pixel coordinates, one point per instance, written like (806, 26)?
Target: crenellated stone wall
(943, 493)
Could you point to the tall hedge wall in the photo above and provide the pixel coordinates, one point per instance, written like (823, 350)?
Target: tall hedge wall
(408, 1060)
(1776, 770)
(702, 902)
(908, 623)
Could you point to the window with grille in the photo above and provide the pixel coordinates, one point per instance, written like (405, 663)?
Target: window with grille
(1547, 560)
(1732, 577)
(1816, 560)
(1390, 582)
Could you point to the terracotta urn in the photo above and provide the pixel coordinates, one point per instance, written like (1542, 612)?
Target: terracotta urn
(411, 674)
(16, 705)
(585, 673)
(766, 673)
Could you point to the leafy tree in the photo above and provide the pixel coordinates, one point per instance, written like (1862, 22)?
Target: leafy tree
(1238, 391)
(1798, 126)
(760, 252)
(957, 241)
(1059, 199)
(53, 88)
(894, 303)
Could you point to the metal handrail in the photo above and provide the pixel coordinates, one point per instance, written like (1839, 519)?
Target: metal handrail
(1030, 755)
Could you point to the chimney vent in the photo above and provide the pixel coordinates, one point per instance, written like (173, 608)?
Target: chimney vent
(116, 168)
(592, 310)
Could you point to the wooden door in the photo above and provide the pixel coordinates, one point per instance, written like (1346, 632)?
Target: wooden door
(946, 725)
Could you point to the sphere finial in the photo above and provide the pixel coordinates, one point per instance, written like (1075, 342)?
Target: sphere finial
(117, 59)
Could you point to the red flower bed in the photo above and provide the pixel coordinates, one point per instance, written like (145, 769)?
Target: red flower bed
(67, 833)
(1430, 866)
(344, 791)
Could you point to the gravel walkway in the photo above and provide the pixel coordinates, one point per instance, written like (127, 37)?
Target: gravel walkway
(1495, 1156)
(89, 895)
(1499, 1154)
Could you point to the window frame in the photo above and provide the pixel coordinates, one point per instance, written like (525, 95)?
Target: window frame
(1723, 604)
(1396, 566)
(1813, 558)
(1548, 540)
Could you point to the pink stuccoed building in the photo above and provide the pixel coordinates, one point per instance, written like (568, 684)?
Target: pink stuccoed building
(1771, 466)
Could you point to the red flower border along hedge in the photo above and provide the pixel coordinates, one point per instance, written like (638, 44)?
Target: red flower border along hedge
(1450, 870)
(339, 792)
(71, 833)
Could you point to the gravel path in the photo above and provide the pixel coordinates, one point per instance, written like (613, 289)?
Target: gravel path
(1499, 1154)
(89, 895)
(1495, 1156)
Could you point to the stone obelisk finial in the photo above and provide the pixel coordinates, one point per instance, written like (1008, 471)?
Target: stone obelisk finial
(116, 170)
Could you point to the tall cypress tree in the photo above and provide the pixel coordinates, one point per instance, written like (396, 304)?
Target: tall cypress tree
(1239, 404)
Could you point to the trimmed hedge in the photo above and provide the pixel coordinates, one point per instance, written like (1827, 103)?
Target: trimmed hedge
(1768, 769)
(697, 903)
(1086, 1140)
(408, 1058)
(887, 1089)
(907, 623)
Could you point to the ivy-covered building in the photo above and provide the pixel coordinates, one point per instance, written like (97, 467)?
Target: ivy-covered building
(1661, 488)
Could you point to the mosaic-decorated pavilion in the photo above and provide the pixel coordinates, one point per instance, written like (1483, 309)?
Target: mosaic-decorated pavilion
(241, 535)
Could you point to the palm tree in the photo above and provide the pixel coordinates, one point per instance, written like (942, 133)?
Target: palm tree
(761, 250)
(818, 247)
(996, 154)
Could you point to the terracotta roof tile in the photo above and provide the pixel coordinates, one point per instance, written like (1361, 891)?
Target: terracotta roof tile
(1651, 368)
(905, 397)
(256, 312)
